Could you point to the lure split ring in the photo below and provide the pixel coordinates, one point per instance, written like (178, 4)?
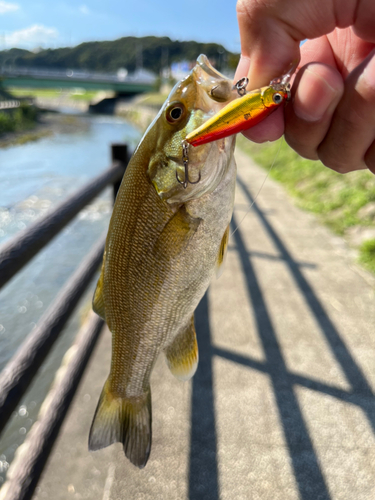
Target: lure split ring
(241, 85)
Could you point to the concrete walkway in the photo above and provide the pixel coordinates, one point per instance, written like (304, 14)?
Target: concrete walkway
(282, 404)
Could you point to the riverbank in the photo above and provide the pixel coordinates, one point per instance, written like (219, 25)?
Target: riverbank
(21, 118)
(48, 124)
(141, 110)
(47, 118)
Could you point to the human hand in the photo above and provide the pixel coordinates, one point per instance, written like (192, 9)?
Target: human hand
(332, 113)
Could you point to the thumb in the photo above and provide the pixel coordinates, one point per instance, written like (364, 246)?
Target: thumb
(267, 48)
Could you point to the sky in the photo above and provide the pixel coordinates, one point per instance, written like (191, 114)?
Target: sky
(31, 24)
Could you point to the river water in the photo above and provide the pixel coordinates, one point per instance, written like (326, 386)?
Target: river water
(34, 177)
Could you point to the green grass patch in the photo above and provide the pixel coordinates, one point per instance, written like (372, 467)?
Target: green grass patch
(334, 197)
(78, 94)
(87, 95)
(27, 92)
(22, 118)
(367, 254)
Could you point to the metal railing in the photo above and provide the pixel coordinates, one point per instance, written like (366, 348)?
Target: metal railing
(22, 368)
(10, 104)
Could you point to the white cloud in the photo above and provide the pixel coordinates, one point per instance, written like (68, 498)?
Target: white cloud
(84, 9)
(34, 36)
(6, 7)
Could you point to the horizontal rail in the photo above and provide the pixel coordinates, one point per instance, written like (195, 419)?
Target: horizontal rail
(26, 469)
(9, 104)
(19, 372)
(26, 244)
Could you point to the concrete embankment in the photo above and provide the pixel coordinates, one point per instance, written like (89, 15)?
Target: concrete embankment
(58, 103)
(138, 114)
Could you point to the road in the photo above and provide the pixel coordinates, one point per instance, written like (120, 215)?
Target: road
(282, 406)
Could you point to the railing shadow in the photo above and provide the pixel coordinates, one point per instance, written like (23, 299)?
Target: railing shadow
(309, 478)
(350, 368)
(203, 469)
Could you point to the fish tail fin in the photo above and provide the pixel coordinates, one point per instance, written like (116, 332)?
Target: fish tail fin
(125, 420)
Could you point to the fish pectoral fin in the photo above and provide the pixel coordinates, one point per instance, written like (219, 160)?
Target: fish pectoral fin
(98, 300)
(124, 420)
(176, 234)
(182, 353)
(221, 257)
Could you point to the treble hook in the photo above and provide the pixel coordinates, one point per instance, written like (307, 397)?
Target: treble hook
(185, 159)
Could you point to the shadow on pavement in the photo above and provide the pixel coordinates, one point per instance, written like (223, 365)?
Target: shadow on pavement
(203, 471)
(309, 478)
(360, 387)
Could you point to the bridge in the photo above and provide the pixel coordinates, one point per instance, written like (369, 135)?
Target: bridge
(122, 83)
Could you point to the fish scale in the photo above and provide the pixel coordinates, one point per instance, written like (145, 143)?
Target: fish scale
(163, 246)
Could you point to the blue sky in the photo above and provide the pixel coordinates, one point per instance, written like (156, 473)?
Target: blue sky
(40, 23)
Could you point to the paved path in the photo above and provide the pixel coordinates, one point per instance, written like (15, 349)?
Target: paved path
(282, 404)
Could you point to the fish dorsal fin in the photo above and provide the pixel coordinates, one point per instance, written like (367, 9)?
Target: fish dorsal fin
(98, 300)
(182, 353)
(222, 253)
(176, 235)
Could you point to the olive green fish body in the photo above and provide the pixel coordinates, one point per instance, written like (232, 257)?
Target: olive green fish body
(163, 245)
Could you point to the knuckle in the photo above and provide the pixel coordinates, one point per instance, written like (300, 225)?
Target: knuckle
(251, 9)
(302, 147)
(370, 160)
(332, 161)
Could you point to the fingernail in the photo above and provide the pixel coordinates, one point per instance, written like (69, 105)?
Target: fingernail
(242, 68)
(313, 96)
(368, 75)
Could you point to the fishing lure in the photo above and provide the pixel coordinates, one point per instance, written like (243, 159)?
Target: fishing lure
(245, 112)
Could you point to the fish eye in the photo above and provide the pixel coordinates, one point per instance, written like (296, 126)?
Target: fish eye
(277, 98)
(175, 112)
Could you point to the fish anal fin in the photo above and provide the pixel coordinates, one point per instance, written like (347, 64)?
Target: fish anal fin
(98, 300)
(176, 234)
(222, 253)
(125, 420)
(182, 353)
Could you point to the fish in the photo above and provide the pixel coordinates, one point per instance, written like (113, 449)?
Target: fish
(244, 112)
(167, 237)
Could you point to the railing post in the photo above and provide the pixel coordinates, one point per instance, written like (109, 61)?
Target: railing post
(119, 153)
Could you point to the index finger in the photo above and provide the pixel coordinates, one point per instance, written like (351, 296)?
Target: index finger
(266, 46)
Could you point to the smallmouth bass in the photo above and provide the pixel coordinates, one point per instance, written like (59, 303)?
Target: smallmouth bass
(168, 233)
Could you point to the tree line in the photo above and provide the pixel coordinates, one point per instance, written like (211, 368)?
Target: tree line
(150, 52)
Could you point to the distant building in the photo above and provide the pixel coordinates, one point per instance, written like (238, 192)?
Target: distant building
(180, 69)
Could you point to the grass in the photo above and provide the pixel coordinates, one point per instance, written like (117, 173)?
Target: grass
(18, 92)
(81, 94)
(367, 254)
(24, 138)
(335, 198)
(22, 118)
